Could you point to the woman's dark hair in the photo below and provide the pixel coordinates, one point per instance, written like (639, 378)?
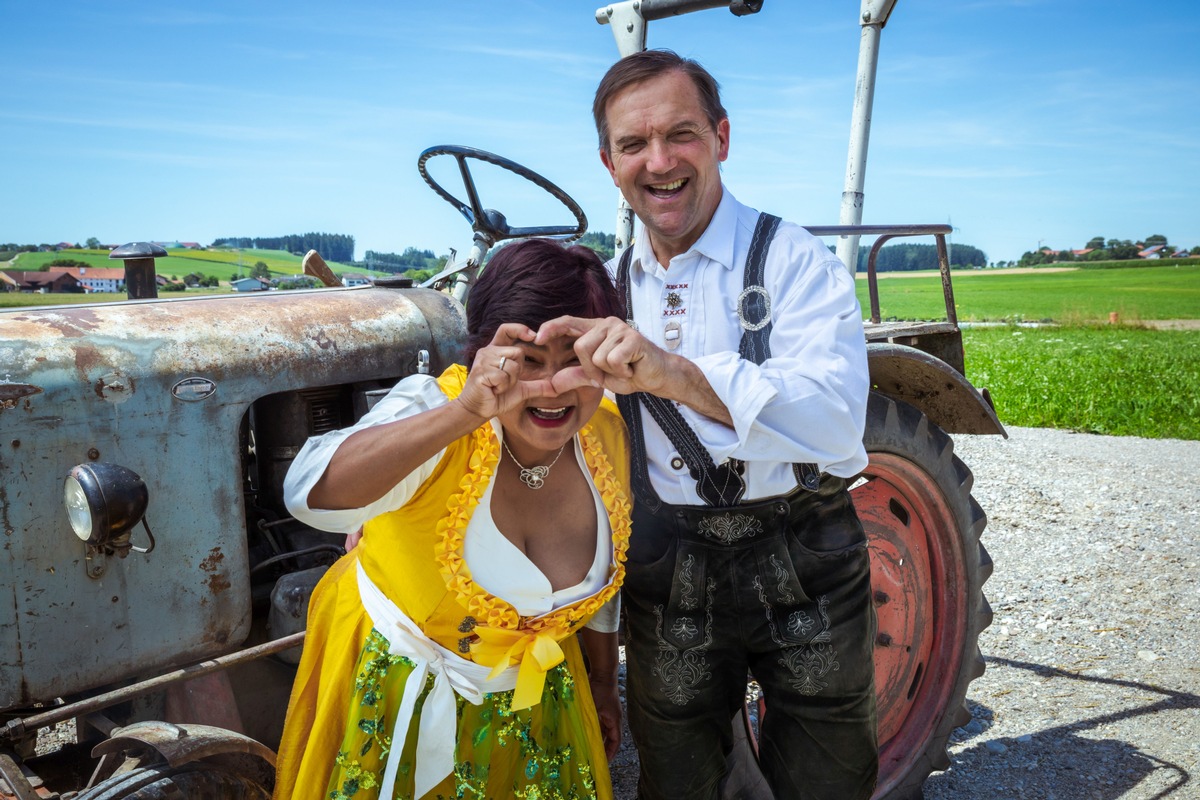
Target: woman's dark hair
(648, 64)
(535, 280)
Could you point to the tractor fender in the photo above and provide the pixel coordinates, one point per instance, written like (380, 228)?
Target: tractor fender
(932, 386)
(180, 744)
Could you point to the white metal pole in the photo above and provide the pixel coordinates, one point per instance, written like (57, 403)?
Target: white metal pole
(873, 17)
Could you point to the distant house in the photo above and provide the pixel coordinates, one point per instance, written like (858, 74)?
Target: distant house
(354, 279)
(1180, 254)
(249, 285)
(96, 279)
(1083, 252)
(190, 245)
(66, 246)
(1152, 252)
(39, 282)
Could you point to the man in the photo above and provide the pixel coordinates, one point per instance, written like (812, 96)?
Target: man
(746, 553)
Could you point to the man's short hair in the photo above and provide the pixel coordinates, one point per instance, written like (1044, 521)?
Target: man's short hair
(643, 66)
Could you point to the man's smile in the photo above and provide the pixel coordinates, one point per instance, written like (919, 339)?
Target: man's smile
(665, 190)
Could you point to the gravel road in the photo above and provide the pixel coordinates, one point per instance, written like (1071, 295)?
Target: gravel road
(1092, 689)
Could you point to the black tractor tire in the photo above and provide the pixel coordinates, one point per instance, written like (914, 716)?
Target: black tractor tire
(195, 781)
(928, 568)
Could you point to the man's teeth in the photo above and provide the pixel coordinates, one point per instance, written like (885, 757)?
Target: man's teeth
(667, 187)
(549, 413)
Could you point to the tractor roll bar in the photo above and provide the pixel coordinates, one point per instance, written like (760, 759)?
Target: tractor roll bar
(658, 9)
(885, 233)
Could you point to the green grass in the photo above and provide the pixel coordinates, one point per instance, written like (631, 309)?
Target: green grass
(1077, 296)
(1115, 380)
(221, 263)
(20, 300)
(1110, 379)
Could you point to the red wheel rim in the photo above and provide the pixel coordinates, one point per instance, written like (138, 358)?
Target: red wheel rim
(919, 584)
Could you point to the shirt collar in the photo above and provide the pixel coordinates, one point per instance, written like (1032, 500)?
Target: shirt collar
(716, 243)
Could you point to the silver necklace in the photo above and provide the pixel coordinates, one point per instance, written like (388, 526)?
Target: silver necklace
(533, 477)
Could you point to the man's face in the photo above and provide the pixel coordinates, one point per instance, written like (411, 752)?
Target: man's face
(665, 158)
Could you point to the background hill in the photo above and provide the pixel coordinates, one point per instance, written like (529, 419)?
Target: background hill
(221, 263)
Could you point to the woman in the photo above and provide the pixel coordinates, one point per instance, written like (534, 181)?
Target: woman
(441, 659)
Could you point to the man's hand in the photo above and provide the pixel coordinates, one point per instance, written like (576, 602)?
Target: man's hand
(494, 383)
(612, 355)
(608, 708)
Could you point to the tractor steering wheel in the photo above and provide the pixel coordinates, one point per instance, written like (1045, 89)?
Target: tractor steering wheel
(489, 223)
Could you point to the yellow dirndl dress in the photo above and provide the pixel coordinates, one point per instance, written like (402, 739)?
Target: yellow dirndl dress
(539, 741)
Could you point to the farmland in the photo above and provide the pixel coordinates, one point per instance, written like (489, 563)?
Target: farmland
(1063, 296)
(1078, 374)
(222, 264)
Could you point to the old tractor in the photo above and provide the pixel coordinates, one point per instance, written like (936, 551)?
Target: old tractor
(155, 587)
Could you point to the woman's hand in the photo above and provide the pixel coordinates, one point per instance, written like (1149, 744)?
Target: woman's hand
(494, 383)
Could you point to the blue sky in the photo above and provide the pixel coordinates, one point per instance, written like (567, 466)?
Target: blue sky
(1022, 122)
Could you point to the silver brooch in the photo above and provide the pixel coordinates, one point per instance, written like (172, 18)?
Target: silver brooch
(741, 308)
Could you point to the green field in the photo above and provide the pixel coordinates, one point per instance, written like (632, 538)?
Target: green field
(221, 263)
(1071, 297)
(1112, 379)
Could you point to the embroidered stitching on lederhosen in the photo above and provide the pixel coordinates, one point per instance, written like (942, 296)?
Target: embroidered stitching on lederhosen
(681, 671)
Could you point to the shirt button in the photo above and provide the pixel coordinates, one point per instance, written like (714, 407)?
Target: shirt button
(676, 463)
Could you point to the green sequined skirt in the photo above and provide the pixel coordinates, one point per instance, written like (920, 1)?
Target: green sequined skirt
(540, 753)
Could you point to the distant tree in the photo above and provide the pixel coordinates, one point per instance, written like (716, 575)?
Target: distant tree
(1033, 258)
(1154, 239)
(907, 257)
(67, 262)
(1095, 243)
(259, 270)
(1195, 251)
(1122, 249)
(605, 244)
(1064, 255)
(93, 243)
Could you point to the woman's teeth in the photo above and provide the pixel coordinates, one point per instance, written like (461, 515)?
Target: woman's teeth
(549, 413)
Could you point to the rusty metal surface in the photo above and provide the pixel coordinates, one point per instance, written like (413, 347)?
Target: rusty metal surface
(105, 374)
(13, 781)
(931, 385)
(15, 727)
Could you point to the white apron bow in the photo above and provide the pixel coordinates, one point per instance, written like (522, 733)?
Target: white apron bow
(451, 674)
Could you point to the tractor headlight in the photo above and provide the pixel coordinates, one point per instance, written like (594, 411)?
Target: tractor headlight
(104, 502)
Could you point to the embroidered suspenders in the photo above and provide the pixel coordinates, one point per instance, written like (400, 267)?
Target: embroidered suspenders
(718, 485)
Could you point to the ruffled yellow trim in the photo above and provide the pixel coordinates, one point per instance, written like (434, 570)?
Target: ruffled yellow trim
(531, 633)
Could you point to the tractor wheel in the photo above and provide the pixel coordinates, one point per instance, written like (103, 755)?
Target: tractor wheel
(927, 574)
(163, 782)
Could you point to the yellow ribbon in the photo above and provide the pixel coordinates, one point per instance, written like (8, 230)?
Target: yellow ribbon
(535, 652)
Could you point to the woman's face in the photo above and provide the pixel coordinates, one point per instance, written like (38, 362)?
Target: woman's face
(542, 425)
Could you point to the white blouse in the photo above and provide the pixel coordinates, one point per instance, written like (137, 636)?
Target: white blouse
(501, 568)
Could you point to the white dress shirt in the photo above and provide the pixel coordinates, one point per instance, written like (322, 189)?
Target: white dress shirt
(496, 564)
(806, 403)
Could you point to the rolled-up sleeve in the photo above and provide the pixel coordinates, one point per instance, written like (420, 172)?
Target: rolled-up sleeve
(807, 402)
(411, 396)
